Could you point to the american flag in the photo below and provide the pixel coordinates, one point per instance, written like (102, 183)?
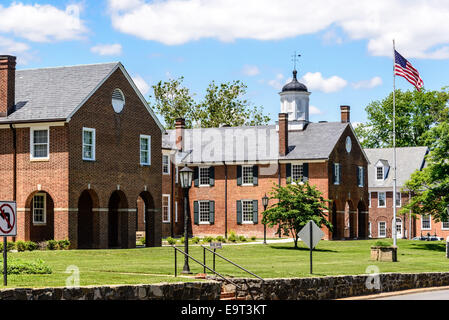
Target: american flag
(405, 69)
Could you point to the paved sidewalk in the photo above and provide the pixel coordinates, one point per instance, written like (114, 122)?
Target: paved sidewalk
(434, 293)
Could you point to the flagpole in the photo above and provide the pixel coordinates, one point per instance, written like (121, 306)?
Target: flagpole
(394, 148)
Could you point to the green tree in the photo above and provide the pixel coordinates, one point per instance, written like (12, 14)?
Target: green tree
(430, 186)
(416, 113)
(222, 104)
(298, 204)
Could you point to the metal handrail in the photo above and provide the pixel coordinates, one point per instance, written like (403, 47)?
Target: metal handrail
(235, 264)
(189, 256)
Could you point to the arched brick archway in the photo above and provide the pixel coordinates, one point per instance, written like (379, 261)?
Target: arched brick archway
(362, 221)
(146, 217)
(337, 232)
(350, 221)
(39, 218)
(118, 220)
(88, 226)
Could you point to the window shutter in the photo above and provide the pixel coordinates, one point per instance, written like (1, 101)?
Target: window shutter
(255, 211)
(363, 176)
(239, 175)
(333, 173)
(196, 212)
(288, 171)
(211, 176)
(339, 173)
(305, 172)
(196, 176)
(211, 212)
(255, 175)
(239, 212)
(358, 176)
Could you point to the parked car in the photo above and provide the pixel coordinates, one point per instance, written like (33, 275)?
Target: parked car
(428, 238)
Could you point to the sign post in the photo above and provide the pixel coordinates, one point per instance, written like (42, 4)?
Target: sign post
(311, 234)
(8, 228)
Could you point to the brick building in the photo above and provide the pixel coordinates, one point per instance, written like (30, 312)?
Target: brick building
(380, 182)
(80, 149)
(234, 167)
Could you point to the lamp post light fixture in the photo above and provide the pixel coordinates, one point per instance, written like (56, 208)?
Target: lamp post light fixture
(185, 177)
(265, 205)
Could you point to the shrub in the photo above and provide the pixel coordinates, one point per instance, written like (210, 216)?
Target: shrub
(64, 244)
(253, 238)
(195, 240)
(31, 246)
(171, 241)
(181, 239)
(220, 239)
(232, 236)
(380, 243)
(142, 241)
(242, 238)
(208, 239)
(11, 245)
(52, 245)
(42, 245)
(21, 246)
(19, 266)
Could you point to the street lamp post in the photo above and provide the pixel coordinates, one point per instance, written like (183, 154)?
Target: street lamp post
(265, 205)
(185, 177)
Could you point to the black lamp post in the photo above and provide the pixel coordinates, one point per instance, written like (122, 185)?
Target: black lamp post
(185, 177)
(265, 205)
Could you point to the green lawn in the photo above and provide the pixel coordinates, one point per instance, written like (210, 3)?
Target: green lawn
(152, 265)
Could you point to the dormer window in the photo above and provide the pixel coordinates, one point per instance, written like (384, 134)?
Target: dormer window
(379, 173)
(382, 168)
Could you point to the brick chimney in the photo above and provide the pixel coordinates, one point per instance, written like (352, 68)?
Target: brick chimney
(180, 124)
(283, 134)
(345, 114)
(7, 84)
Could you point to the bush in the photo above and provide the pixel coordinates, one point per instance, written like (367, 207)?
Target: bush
(64, 244)
(21, 246)
(195, 240)
(242, 238)
(11, 245)
(208, 239)
(31, 246)
(18, 266)
(42, 245)
(52, 245)
(181, 239)
(142, 241)
(171, 241)
(220, 239)
(253, 238)
(232, 236)
(380, 243)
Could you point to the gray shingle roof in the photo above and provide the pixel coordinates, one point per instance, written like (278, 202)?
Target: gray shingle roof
(408, 160)
(256, 143)
(53, 93)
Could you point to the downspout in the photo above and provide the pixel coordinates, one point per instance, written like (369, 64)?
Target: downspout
(14, 185)
(226, 200)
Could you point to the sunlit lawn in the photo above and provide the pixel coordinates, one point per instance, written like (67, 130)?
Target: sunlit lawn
(153, 265)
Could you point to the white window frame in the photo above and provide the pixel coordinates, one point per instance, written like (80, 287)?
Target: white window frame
(168, 208)
(400, 199)
(369, 229)
(383, 173)
(378, 199)
(199, 212)
(430, 222)
(378, 229)
(361, 176)
(176, 211)
(208, 176)
(442, 224)
(301, 180)
(337, 173)
(32, 130)
(148, 138)
(243, 211)
(165, 165)
(176, 174)
(243, 175)
(44, 214)
(92, 130)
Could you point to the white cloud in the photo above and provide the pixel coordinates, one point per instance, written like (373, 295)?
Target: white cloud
(419, 27)
(278, 82)
(250, 70)
(368, 84)
(42, 23)
(107, 49)
(314, 110)
(141, 84)
(315, 81)
(19, 49)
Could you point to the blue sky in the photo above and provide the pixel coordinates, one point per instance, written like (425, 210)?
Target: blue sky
(346, 45)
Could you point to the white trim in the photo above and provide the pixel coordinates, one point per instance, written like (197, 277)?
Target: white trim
(168, 208)
(252, 174)
(144, 136)
(400, 199)
(199, 212)
(383, 173)
(336, 176)
(378, 229)
(430, 222)
(199, 176)
(378, 199)
(442, 225)
(362, 176)
(252, 203)
(176, 211)
(32, 157)
(34, 124)
(44, 213)
(402, 226)
(93, 143)
(168, 164)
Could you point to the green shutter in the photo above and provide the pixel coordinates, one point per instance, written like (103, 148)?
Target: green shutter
(255, 211)
(239, 212)
(211, 176)
(288, 172)
(358, 176)
(196, 212)
(305, 172)
(333, 173)
(239, 175)
(196, 176)
(255, 175)
(211, 212)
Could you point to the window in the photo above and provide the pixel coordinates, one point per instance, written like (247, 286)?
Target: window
(166, 208)
(118, 100)
(204, 213)
(379, 173)
(398, 199)
(369, 199)
(445, 224)
(247, 211)
(381, 199)
(165, 164)
(247, 173)
(297, 172)
(336, 173)
(425, 222)
(145, 150)
(39, 208)
(176, 174)
(88, 144)
(40, 143)
(176, 211)
(369, 230)
(204, 176)
(382, 231)
(361, 177)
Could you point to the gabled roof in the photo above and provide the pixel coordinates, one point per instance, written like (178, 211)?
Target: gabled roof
(55, 94)
(256, 143)
(408, 160)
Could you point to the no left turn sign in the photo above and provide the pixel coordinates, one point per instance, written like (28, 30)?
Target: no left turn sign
(8, 218)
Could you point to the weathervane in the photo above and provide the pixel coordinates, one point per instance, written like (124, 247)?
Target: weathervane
(294, 59)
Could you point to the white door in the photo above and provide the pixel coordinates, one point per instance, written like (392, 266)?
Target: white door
(399, 228)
